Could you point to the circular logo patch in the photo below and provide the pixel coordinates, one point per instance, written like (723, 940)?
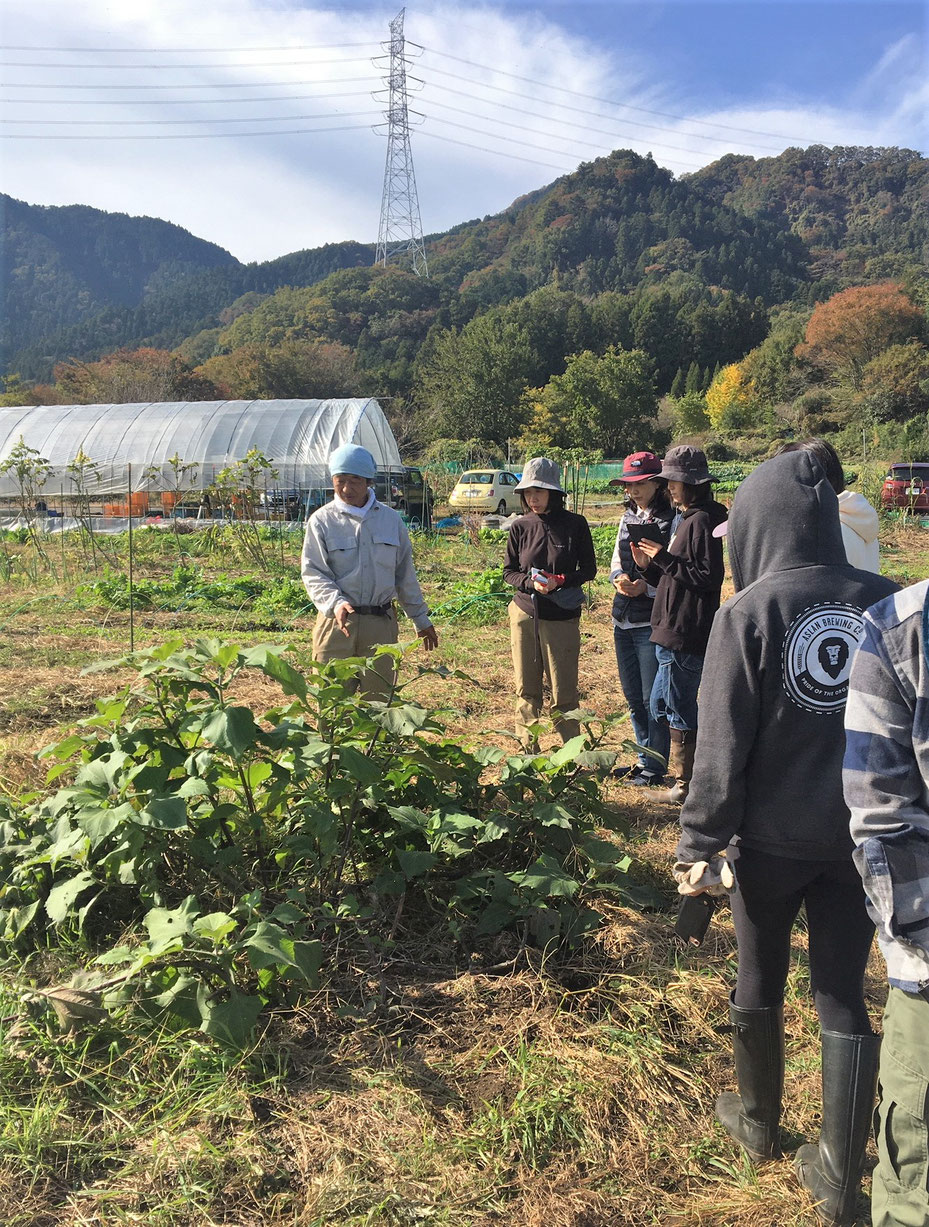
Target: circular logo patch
(818, 652)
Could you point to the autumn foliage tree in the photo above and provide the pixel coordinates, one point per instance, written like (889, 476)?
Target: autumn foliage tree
(292, 370)
(131, 376)
(730, 398)
(851, 328)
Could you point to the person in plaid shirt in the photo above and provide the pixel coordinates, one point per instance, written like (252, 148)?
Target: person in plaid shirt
(886, 783)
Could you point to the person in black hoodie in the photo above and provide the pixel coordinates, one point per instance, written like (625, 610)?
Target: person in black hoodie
(549, 557)
(647, 502)
(767, 790)
(689, 576)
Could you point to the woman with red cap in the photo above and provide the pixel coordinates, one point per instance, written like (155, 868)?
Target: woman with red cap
(647, 502)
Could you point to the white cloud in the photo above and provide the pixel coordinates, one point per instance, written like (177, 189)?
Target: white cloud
(264, 196)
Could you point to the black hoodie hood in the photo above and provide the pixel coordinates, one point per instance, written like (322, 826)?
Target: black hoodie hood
(784, 515)
(768, 769)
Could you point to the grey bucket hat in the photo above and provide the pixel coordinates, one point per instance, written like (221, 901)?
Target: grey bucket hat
(542, 474)
(687, 464)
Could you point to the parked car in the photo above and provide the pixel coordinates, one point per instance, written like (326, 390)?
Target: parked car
(907, 485)
(413, 496)
(486, 490)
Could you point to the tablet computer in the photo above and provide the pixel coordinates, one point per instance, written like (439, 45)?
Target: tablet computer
(645, 532)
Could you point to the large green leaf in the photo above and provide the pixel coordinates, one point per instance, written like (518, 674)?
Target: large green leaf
(232, 729)
(164, 813)
(546, 878)
(308, 957)
(61, 898)
(415, 864)
(231, 1021)
(167, 928)
(358, 766)
(409, 817)
(268, 945)
(404, 720)
(568, 752)
(270, 662)
(603, 852)
(551, 814)
(214, 926)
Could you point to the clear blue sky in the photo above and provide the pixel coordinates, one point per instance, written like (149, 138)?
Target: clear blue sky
(223, 113)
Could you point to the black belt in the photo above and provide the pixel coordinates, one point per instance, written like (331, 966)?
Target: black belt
(379, 611)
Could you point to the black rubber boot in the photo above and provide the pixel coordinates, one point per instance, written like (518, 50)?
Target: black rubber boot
(752, 1115)
(831, 1171)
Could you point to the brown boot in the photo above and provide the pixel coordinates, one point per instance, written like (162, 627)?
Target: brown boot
(681, 764)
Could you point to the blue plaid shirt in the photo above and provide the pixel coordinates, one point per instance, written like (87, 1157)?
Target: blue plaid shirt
(886, 779)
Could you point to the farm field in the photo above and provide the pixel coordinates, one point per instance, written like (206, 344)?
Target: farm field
(427, 1082)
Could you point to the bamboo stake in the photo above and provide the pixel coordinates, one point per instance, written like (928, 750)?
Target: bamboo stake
(131, 572)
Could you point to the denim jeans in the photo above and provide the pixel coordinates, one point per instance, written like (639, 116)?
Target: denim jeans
(674, 694)
(638, 665)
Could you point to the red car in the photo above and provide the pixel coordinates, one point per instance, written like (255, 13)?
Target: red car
(907, 485)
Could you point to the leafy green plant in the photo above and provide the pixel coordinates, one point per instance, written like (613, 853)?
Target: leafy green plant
(478, 600)
(189, 588)
(238, 488)
(211, 862)
(30, 471)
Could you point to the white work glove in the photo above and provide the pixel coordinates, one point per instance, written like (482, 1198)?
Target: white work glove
(712, 877)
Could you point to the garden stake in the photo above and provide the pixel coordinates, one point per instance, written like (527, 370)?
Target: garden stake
(64, 567)
(131, 593)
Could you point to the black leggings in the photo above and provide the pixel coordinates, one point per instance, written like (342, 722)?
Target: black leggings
(771, 890)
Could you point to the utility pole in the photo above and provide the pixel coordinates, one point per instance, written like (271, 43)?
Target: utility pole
(400, 233)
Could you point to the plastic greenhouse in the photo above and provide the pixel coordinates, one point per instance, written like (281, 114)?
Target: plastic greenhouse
(131, 446)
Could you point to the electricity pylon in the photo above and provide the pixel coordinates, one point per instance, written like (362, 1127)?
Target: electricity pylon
(400, 233)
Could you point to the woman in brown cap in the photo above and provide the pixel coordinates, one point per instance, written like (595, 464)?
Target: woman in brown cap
(688, 575)
(549, 557)
(647, 503)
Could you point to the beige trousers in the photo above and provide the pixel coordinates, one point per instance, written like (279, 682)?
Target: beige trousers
(365, 632)
(554, 658)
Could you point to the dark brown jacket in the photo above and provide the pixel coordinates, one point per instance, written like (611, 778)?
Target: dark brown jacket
(558, 542)
(688, 576)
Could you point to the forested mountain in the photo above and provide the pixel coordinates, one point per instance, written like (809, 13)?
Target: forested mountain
(862, 214)
(61, 320)
(719, 247)
(61, 265)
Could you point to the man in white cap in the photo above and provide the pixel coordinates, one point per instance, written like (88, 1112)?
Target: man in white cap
(357, 560)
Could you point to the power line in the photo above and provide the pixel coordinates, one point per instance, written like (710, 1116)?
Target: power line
(510, 140)
(564, 106)
(177, 102)
(248, 119)
(174, 136)
(356, 59)
(186, 50)
(778, 136)
(592, 144)
(500, 153)
(209, 85)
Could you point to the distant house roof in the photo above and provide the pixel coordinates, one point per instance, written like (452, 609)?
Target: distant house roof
(297, 435)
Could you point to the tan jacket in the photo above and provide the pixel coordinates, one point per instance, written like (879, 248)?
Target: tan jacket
(365, 561)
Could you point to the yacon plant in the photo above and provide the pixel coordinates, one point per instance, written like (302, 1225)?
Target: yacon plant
(211, 862)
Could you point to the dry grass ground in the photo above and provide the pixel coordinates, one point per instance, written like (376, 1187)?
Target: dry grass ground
(521, 1090)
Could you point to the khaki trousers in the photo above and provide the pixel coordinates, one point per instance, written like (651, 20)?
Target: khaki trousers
(900, 1184)
(553, 658)
(365, 632)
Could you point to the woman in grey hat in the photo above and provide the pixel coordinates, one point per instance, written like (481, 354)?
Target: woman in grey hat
(688, 575)
(549, 557)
